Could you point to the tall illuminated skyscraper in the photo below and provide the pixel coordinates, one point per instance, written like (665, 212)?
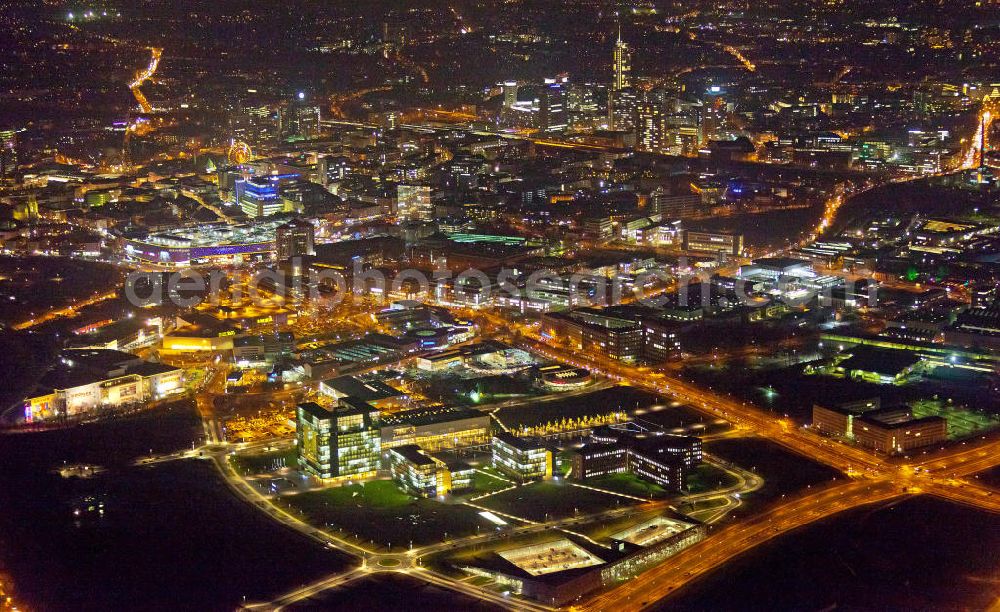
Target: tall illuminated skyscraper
(622, 64)
(651, 125)
(8, 152)
(622, 105)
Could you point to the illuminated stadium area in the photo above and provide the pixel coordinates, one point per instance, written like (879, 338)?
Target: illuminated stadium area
(212, 243)
(557, 556)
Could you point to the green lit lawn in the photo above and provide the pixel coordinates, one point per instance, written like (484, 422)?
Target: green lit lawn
(564, 462)
(629, 484)
(486, 483)
(374, 494)
(378, 511)
(257, 463)
(707, 477)
(549, 500)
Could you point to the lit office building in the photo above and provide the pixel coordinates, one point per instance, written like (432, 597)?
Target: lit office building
(591, 331)
(985, 295)
(426, 475)
(521, 458)
(339, 442)
(413, 203)
(686, 449)
(662, 459)
(713, 242)
(651, 125)
(675, 206)
(255, 124)
(509, 89)
(683, 132)
(294, 239)
(659, 340)
(436, 428)
(597, 459)
(543, 107)
(885, 430)
(313, 426)
(258, 196)
(896, 430)
(552, 115)
(839, 420)
(299, 121)
(8, 152)
(587, 104)
(623, 109)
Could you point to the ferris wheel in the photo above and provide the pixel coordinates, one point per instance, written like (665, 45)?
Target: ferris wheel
(239, 152)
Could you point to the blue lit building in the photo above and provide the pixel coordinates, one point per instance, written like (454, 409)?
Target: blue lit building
(258, 196)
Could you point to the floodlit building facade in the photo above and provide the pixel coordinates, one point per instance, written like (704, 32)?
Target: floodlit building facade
(84, 381)
(340, 442)
(425, 475)
(521, 458)
(436, 429)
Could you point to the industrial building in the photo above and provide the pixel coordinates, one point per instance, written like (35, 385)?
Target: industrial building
(880, 366)
(977, 327)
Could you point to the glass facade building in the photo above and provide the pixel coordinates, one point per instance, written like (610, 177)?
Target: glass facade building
(425, 475)
(340, 442)
(523, 459)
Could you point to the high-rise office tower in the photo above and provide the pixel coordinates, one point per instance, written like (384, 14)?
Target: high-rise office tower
(623, 99)
(299, 119)
(623, 104)
(552, 116)
(294, 239)
(651, 125)
(622, 64)
(256, 124)
(258, 196)
(323, 171)
(509, 89)
(8, 152)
